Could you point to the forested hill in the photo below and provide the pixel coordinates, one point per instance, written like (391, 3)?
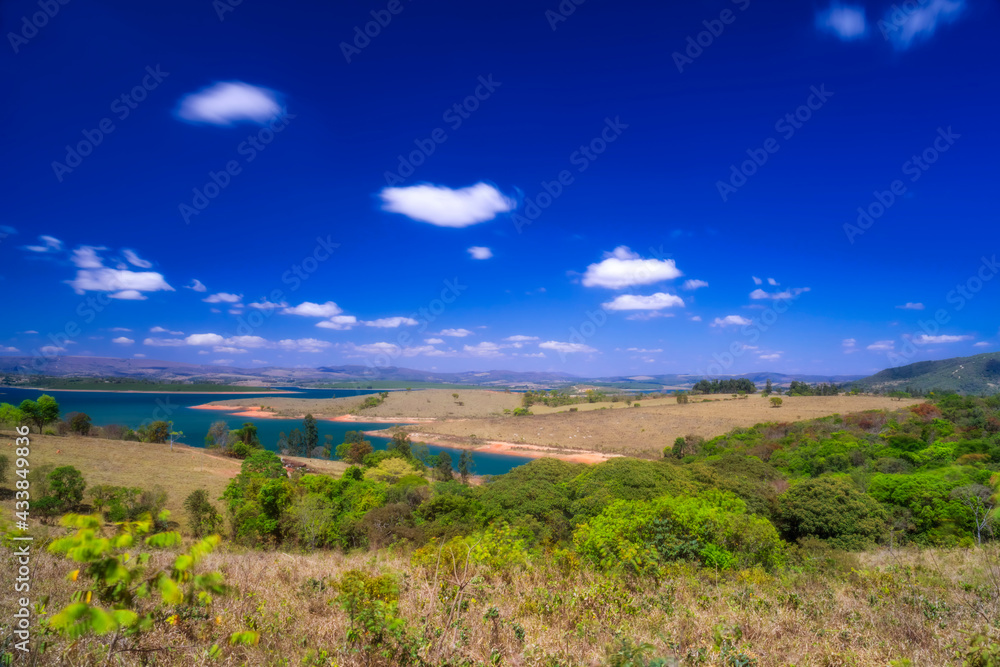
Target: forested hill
(975, 375)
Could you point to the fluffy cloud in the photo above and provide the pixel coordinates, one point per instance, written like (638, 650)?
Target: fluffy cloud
(730, 321)
(479, 252)
(52, 349)
(484, 349)
(166, 331)
(640, 350)
(455, 333)
(310, 309)
(164, 342)
(981, 343)
(770, 356)
(9, 349)
(48, 244)
(392, 322)
(566, 348)
(656, 301)
(122, 340)
(223, 297)
(86, 257)
(911, 306)
(132, 258)
(264, 304)
(882, 346)
(787, 294)
(849, 345)
(434, 341)
(924, 339)
(694, 284)
(125, 329)
(520, 339)
(847, 22)
(623, 268)
(122, 283)
(196, 285)
(445, 207)
(757, 281)
(904, 27)
(229, 102)
(339, 322)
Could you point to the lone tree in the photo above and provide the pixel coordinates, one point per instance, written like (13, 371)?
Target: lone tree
(203, 518)
(768, 389)
(41, 412)
(443, 467)
(465, 465)
(311, 434)
(79, 422)
(66, 486)
(776, 402)
(978, 499)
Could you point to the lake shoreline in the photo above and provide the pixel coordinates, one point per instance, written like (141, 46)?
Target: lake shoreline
(502, 448)
(159, 391)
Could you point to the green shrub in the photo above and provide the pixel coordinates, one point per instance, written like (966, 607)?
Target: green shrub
(833, 510)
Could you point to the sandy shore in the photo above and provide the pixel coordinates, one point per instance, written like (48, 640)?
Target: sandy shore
(509, 448)
(243, 411)
(381, 420)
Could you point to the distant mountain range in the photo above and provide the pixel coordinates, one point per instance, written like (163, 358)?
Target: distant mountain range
(979, 374)
(175, 371)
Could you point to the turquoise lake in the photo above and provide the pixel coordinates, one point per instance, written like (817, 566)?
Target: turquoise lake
(132, 409)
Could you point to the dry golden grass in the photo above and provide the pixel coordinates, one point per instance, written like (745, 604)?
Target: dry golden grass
(141, 464)
(886, 607)
(646, 430)
(420, 404)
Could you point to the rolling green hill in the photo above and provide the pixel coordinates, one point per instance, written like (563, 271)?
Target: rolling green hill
(979, 374)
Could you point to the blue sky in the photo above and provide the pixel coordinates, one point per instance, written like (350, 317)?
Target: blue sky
(596, 188)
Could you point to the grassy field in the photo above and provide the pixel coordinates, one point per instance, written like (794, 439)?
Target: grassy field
(830, 610)
(141, 464)
(419, 404)
(613, 428)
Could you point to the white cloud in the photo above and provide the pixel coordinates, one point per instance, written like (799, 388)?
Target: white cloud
(311, 345)
(29, 331)
(135, 260)
(694, 284)
(9, 349)
(223, 362)
(770, 357)
(196, 285)
(162, 330)
(236, 311)
(445, 207)
(640, 350)
(911, 306)
(924, 339)
(536, 355)
(205, 339)
(125, 329)
(882, 346)
(566, 348)
(520, 339)
(392, 350)
(484, 349)
(264, 304)
(772, 282)
(904, 27)
(392, 322)
(223, 349)
(223, 297)
(656, 301)
(696, 318)
(122, 283)
(850, 345)
(52, 349)
(122, 340)
(229, 102)
(847, 22)
(434, 341)
(730, 321)
(981, 343)
(139, 355)
(455, 333)
(86, 257)
(164, 342)
(339, 322)
(479, 252)
(310, 309)
(787, 294)
(757, 281)
(622, 268)
(49, 244)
